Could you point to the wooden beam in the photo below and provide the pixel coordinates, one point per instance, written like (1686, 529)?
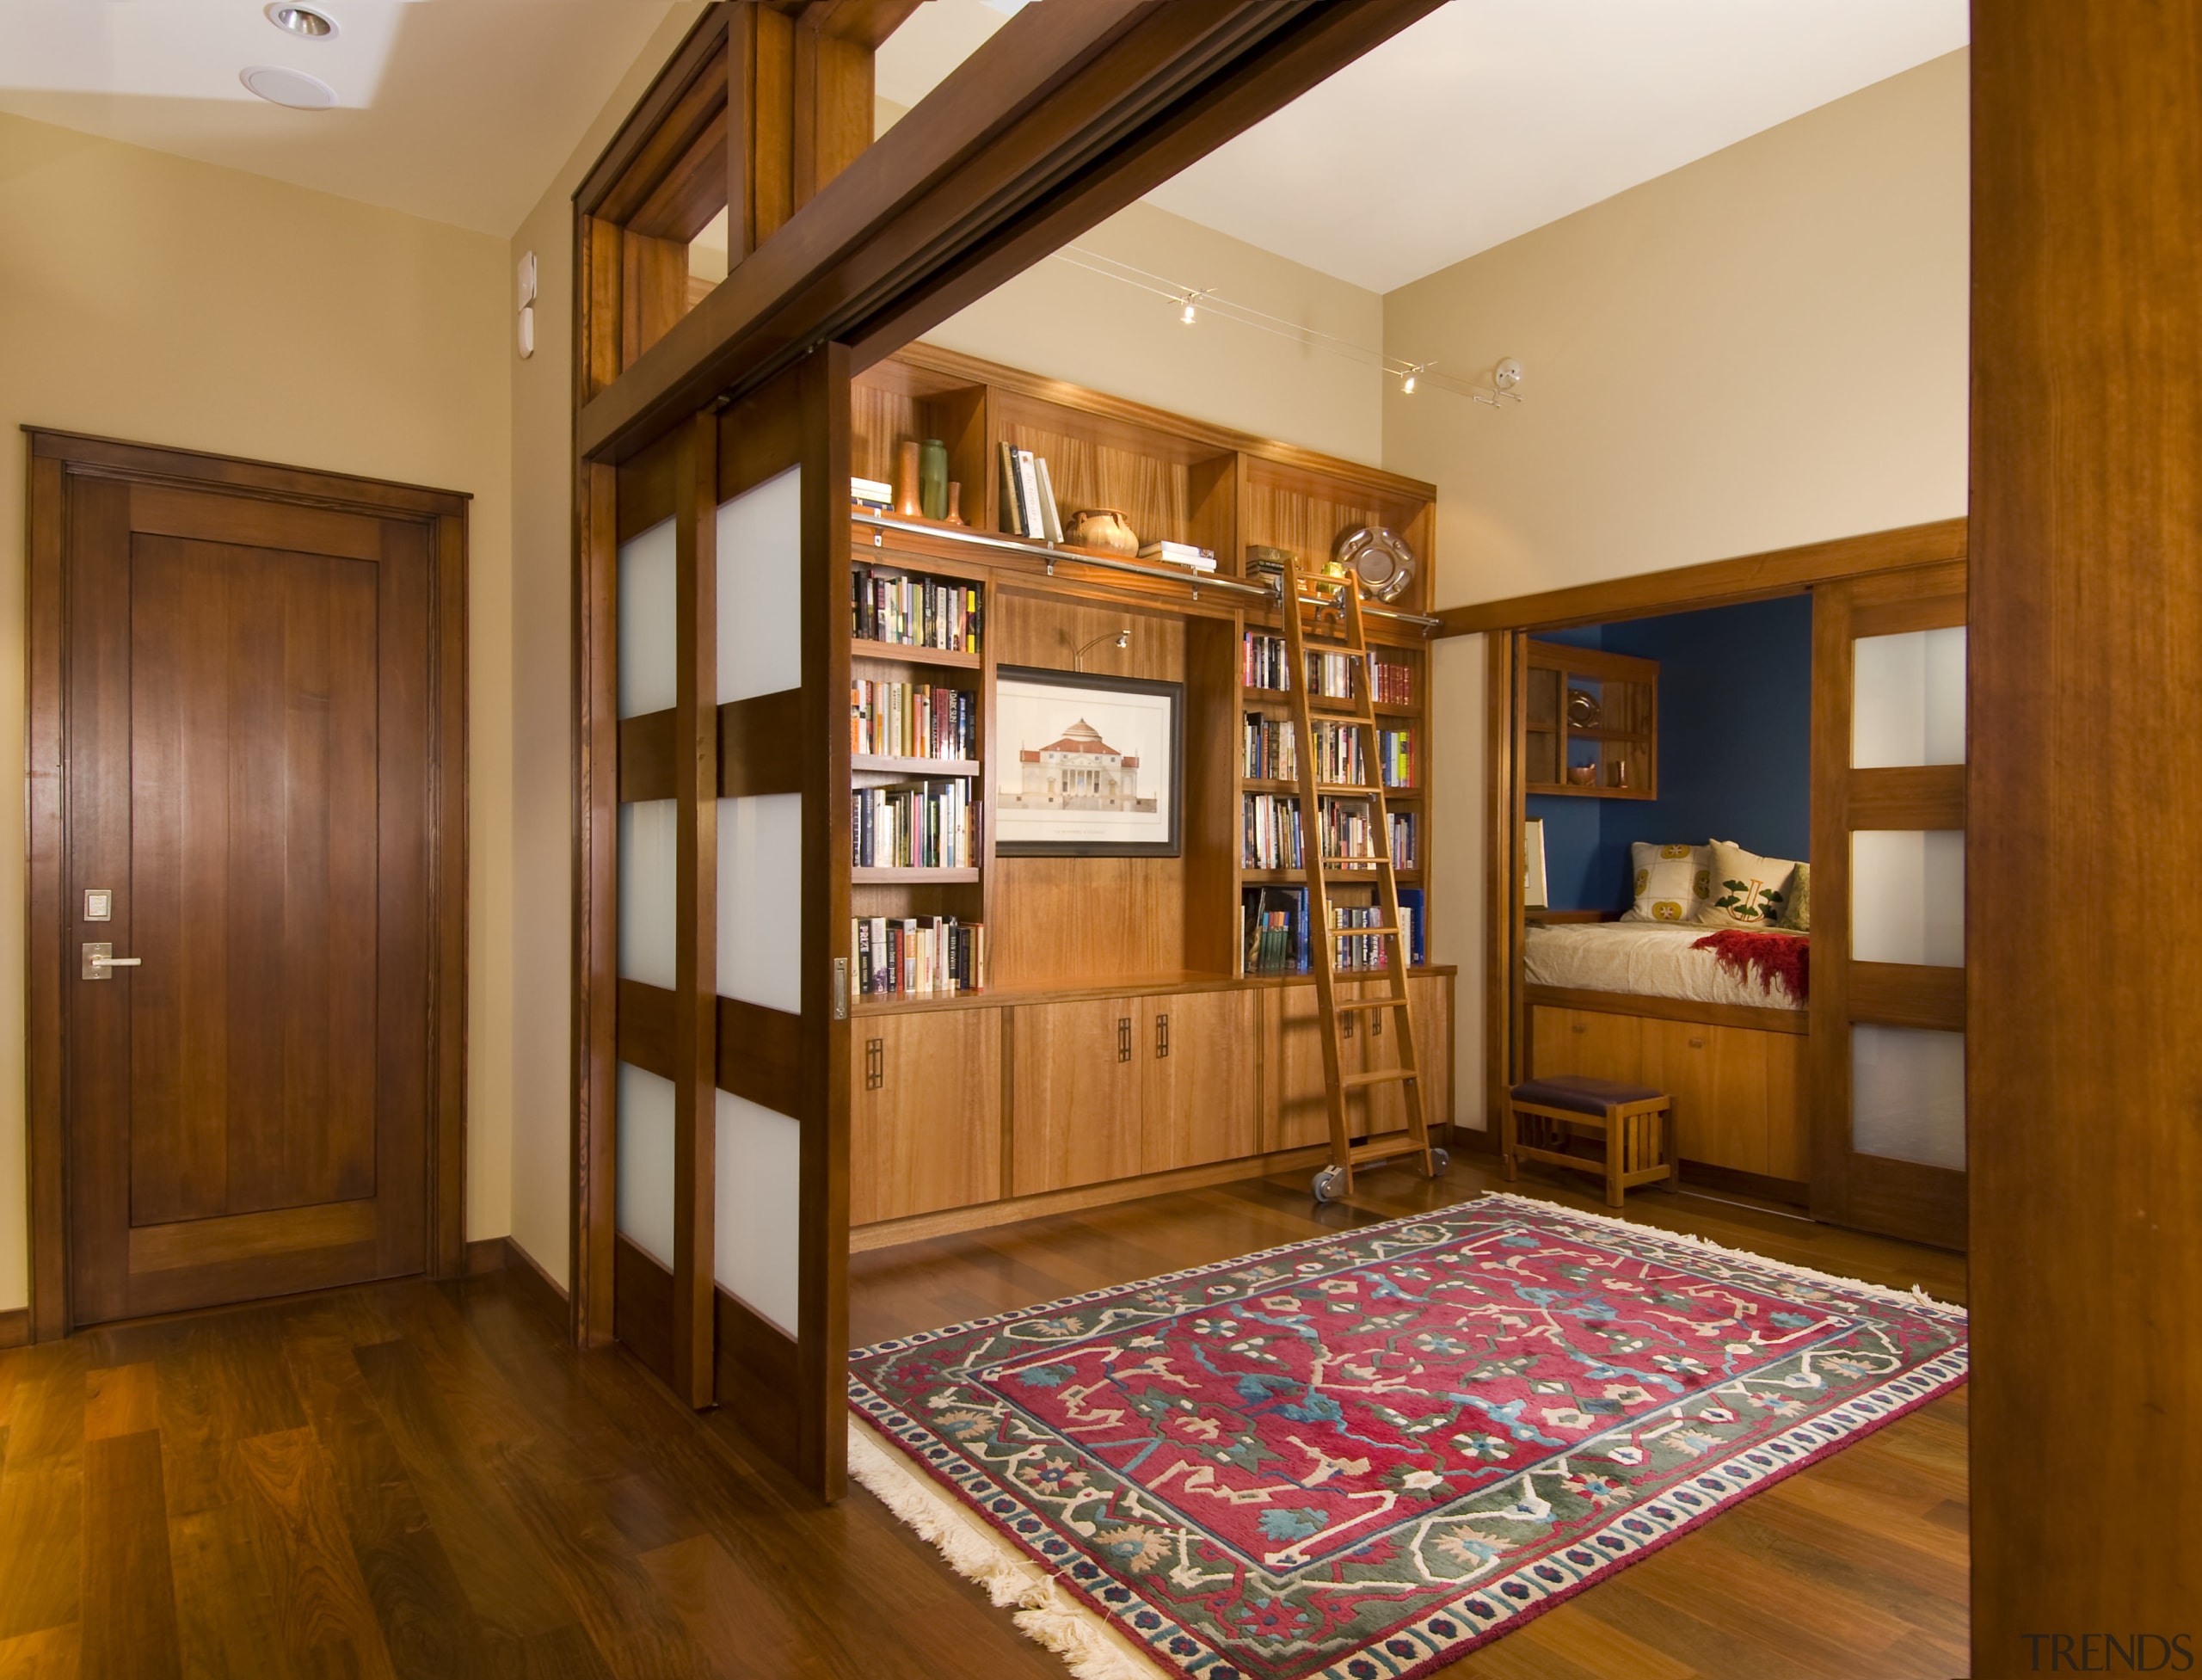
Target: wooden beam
(2083, 1066)
(1065, 115)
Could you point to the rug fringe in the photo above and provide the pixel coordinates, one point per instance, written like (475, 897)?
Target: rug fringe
(1046, 1613)
(1914, 1296)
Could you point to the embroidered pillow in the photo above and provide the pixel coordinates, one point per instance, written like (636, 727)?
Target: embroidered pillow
(1747, 890)
(1672, 883)
(1798, 917)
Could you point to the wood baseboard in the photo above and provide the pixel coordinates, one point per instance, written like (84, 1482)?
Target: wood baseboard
(1007, 1211)
(15, 1327)
(487, 1254)
(492, 1254)
(1787, 1192)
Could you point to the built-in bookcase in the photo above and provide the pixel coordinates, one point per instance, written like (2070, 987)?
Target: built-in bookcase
(1064, 923)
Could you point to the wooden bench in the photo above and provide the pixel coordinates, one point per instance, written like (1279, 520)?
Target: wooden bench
(1540, 1115)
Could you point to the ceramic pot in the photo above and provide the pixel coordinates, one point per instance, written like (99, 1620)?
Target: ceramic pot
(1583, 775)
(907, 504)
(1104, 528)
(955, 502)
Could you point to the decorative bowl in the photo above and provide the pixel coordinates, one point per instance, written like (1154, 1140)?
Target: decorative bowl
(1381, 557)
(1105, 528)
(1583, 775)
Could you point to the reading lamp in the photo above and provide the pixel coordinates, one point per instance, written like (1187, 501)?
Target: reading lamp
(1122, 638)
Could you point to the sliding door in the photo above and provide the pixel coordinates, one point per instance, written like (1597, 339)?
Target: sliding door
(1888, 903)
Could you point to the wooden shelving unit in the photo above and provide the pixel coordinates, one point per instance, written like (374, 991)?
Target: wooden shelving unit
(1614, 757)
(1078, 949)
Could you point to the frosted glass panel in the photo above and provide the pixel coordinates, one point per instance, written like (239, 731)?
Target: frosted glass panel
(760, 589)
(1907, 1094)
(645, 1175)
(1907, 897)
(1908, 700)
(648, 864)
(760, 900)
(647, 648)
(760, 1168)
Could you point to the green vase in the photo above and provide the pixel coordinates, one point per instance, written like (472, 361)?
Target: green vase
(933, 479)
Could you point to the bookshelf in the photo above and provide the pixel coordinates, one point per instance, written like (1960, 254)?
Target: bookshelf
(1591, 724)
(1118, 981)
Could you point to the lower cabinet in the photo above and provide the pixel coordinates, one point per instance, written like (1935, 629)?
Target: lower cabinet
(924, 1112)
(1115, 1087)
(1739, 1093)
(1296, 1104)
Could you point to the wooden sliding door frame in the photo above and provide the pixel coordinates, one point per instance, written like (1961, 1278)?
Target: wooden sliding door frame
(1507, 625)
(55, 459)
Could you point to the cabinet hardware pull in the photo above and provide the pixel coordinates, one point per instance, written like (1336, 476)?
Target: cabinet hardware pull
(875, 1063)
(1161, 1035)
(1697, 1044)
(1579, 1026)
(1124, 1038)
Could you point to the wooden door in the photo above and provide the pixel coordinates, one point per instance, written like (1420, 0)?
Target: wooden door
(1718, 1077)
(250, 778)
(1197, 1099)
(924, 1112)
(1075, 1094)
(1888, 902)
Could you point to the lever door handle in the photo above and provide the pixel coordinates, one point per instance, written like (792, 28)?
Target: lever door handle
(117, 961)
(100, 961)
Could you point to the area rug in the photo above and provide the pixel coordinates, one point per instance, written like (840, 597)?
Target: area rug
(1360, 1456)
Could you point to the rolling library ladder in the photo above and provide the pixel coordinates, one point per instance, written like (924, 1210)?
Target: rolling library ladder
(1339, 599)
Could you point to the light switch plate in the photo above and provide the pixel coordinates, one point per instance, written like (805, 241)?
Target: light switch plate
(99, 904)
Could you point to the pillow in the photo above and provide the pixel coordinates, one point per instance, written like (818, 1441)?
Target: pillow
(1749, 890)
(1673, 883)
(1797, 918)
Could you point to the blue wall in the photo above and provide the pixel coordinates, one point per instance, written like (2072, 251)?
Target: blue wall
(1735, 748)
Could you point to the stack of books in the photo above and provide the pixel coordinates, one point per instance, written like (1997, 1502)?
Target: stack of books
(872, 495)
(918, 956)
(1272, 831)
(1180, 554)
(1262, 662)
(1404, 851)
(915, 612)
(914, 825)
(904, 720)
(1274, 919)
(1370, 951)
(1330, 675)
(1268, 750)
(1395, 750)
(1339, 756)
(1028, 496)
(1392, 680)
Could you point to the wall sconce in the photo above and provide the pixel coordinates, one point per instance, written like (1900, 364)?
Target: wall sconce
(526, 290)
(1122, 638)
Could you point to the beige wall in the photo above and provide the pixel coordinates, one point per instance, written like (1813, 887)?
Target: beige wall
(1765, 347)
(163, 301)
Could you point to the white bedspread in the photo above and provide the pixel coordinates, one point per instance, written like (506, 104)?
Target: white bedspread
(1649, 958)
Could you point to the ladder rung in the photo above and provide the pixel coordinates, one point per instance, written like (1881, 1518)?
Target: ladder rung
(1382, 1076)
(1363, 1004)
(1386, 1151)
(1368, 857)
(1332, 706)
(1357, 932)
(1361, 790)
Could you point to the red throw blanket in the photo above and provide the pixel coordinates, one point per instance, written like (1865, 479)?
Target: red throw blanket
(1744, 951)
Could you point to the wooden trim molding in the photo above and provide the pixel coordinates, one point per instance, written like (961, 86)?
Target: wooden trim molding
(1716, 582)
(297, 498)
(15, 1327)
(1670, 1009)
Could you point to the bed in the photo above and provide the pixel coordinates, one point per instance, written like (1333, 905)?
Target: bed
(1630, 1001)
(1641, 959)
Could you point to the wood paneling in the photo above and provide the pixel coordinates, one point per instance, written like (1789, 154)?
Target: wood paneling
(268, 768)
(928, 1136)
(2084, 1063)
(1075, 1087)
(1928, 796)
(1716, 582)
(1196, 1052)
(1908, 995)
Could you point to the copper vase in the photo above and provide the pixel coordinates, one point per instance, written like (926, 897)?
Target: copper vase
(906, 504)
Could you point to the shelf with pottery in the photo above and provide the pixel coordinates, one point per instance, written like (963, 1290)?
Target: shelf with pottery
(1119, 1047)
(1591, 724)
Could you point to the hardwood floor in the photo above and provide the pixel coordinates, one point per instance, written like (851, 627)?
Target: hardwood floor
(412, 1480)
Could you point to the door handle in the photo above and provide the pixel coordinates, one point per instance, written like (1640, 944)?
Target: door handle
(100, 961)
(1161, 1035)
(1124, 1038)
(875, 1063)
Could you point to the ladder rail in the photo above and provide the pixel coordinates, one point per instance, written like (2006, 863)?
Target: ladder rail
(1359, 715)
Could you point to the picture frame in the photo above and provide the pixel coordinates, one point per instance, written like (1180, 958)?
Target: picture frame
(1533, 892)
(1086, 765)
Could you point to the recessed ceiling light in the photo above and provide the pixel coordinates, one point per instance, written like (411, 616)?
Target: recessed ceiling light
(302, 20)
(293, 88)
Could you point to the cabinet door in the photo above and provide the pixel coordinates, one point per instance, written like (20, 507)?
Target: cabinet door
(1299, 1114)
(925, 1122)
(1717, 1078)
(1552, 1044)
(1196, 1055)
(1373, 1044)
(1606, 1047)
(1788, 1107)
(1432, 996)
(1074, 1094)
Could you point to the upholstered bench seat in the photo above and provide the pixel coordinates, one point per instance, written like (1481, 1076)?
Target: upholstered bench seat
(1632, 1119)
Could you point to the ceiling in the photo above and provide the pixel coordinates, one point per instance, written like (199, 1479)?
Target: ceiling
(461, 111)
(1492, 117)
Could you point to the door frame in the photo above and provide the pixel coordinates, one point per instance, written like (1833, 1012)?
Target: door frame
(54, 458)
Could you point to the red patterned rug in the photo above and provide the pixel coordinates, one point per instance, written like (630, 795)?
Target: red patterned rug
(1362, 1456)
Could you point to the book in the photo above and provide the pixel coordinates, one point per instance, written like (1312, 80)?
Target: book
(1012, 493)
(1180, 554)
(871, 493)
(1028, 489)
(1050, 515)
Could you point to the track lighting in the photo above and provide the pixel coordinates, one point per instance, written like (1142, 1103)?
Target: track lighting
(1187, 317)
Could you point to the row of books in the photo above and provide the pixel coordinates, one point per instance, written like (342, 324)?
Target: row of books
(1266, 749)
(1275, 939)
(914, 825)
(1028, 496)
(1268, 753)
(913, 720)
(1270, 832)
(915, 612)
(1263, 663)
(918, 956)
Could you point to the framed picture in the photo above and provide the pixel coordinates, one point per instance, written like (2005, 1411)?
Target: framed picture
(1533, 864)
(1087, 766)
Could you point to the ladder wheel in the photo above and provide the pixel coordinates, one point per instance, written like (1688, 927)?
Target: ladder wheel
(1327, 1184)
(1439, 1161)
